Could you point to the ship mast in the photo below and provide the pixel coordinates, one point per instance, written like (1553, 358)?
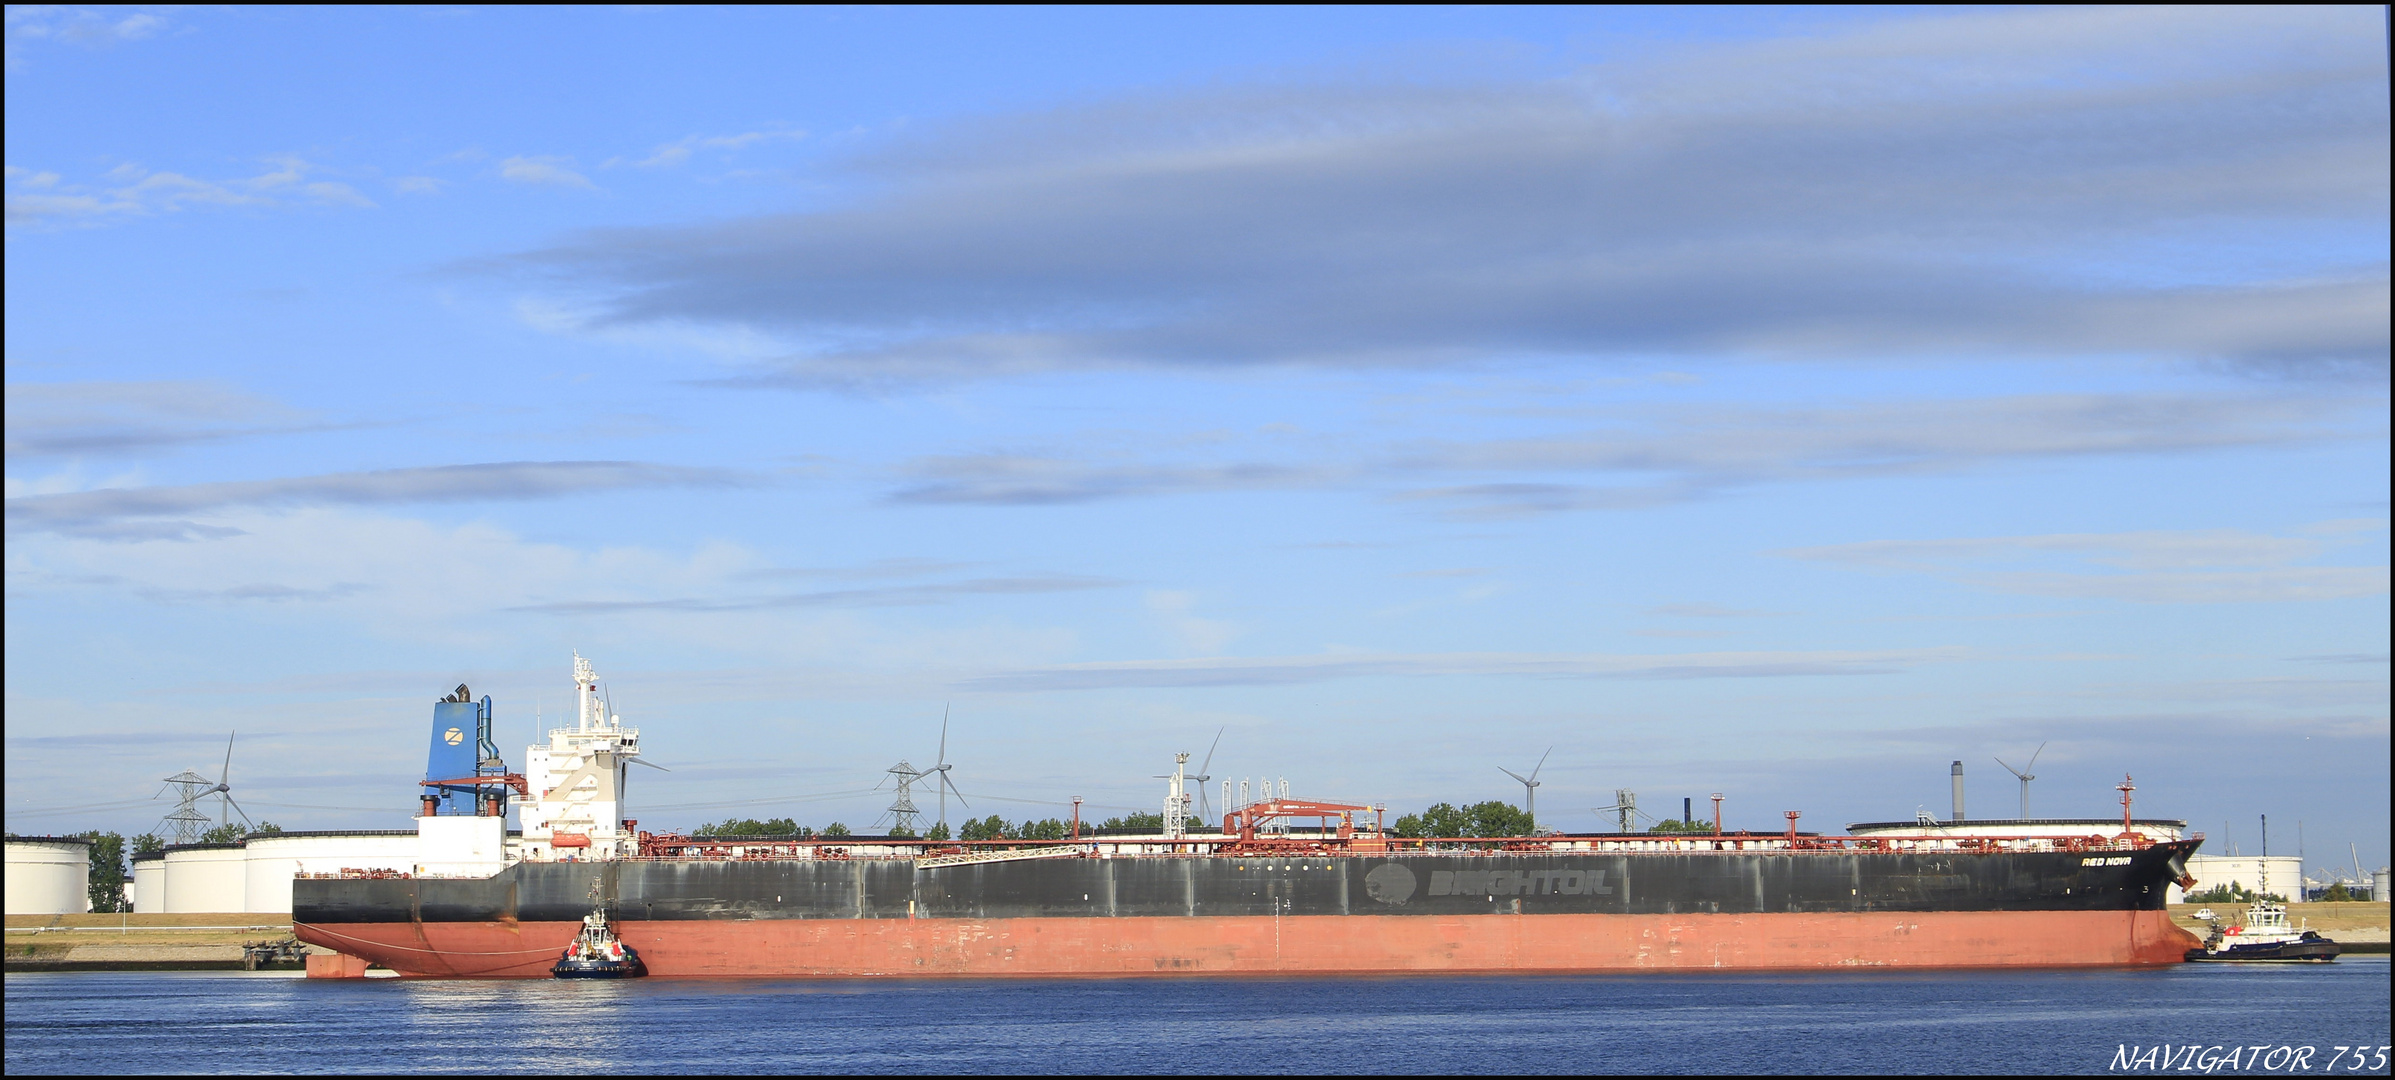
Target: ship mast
(1176, 800)
(2265, 873)
(577, 775)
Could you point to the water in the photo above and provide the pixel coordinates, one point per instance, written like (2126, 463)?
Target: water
(2035, 1021)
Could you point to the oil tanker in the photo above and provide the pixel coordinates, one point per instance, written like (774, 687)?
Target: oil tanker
(1284, 886)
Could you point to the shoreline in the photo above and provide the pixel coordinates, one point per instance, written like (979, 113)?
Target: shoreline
(194, 941)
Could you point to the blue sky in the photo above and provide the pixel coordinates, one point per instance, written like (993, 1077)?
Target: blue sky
(1774, 403)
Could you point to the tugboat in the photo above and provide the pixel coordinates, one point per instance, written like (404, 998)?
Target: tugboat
(2266, 937)
(597, 953)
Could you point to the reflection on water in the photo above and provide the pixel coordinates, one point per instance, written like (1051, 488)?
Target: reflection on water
(2045, 1021)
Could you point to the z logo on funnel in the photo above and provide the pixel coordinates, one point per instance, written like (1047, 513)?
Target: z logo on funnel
(453, 736)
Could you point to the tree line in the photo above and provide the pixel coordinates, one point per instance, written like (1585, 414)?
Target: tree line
(1498, 818)
(993, 827)
(2232, 893)
(1494, 818)
(780, 826)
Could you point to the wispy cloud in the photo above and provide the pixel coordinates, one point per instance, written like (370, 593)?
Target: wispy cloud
(878, 569)
(1691, 453)
(112, 418)
(29, 23)
(43, 198)
(1666, 456)
(544, 171)
(2192, 567)
(89, 27)
(679, 151)
(1285, 670)
(1176, 611)
(400, 574)
(886, 596)
(1010, 479)
(1708, 611)
(148, 513)
(98, 740)
(2033, 180)
(256, 592)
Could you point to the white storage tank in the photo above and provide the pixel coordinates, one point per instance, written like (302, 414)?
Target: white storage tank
(274, 858)
(2286, 874)
(149, 882)
(206, 877)
(49, 875)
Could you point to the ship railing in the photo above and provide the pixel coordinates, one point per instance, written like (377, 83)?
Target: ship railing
(1777, 843)
(953, 852)
(1004, 855)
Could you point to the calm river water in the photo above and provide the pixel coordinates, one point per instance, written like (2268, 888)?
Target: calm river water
(2035, 1022)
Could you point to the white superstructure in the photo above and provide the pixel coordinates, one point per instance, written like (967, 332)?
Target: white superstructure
(577, 781)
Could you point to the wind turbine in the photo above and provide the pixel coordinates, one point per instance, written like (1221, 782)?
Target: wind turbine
(223, 790)
(941, 770)
(1202, 778)
(2026, 776)
(1530, 788)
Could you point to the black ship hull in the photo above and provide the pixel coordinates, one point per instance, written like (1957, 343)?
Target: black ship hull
(1436, 911)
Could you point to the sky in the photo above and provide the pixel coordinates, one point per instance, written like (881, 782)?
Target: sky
(1779, 403)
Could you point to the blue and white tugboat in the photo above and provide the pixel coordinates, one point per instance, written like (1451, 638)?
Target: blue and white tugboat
(597, 953)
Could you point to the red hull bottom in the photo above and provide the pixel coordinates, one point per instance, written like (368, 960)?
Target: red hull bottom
(1335, 944)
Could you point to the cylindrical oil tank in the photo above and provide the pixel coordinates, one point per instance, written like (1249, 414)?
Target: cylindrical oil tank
(205, 877)
(48, 875)
(149, 883)
(275, 858)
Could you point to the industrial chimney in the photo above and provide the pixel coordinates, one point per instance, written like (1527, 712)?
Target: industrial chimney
(1958, 791)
